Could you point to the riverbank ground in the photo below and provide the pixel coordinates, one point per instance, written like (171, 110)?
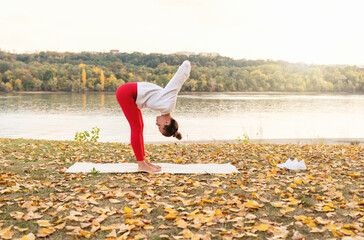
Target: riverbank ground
(39, 200)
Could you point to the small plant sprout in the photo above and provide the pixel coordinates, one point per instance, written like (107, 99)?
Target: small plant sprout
(87, 137)
(94, 171)
(244, 140)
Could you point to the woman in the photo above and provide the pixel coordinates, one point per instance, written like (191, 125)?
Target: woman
(134, 96)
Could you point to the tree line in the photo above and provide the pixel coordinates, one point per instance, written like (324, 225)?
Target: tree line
(86, 71)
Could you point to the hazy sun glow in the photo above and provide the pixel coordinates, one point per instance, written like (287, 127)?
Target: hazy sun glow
(311, 31)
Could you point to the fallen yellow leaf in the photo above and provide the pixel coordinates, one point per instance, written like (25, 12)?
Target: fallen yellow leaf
(44, 223)
(297, 181)
(262, 227)
(114, 200)
(85, 234)
(181, 223)
(218, 212)
(44, 232)
(347, 232)
(128, 210)
(327, 209)
(6, 233)
(29, 236)
(140, 236)
(253, 204)
(170, 216)
(277, 204)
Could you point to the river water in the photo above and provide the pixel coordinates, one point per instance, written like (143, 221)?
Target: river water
(202, 117)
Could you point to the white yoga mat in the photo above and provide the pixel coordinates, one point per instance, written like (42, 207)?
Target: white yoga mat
(226, 168)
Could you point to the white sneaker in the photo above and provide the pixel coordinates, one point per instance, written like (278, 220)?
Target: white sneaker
(301, 165)
(293, 165)
(286, 164)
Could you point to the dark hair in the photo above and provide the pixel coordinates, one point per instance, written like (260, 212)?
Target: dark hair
(172, 130)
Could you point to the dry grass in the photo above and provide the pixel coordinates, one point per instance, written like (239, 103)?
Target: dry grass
(261, 201)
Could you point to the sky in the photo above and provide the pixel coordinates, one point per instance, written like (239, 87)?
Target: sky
(309, 31)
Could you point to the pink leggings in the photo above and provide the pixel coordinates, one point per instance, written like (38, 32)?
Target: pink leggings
(126, 96)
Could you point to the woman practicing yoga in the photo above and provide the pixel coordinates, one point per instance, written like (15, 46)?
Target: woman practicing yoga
(134, 96)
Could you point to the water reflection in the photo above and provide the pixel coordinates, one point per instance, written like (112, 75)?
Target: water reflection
(202, 117)
(102, 96)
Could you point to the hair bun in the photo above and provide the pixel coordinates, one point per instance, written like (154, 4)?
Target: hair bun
(177, 135)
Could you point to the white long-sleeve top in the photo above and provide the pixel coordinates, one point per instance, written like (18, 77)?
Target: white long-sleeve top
(163, 99)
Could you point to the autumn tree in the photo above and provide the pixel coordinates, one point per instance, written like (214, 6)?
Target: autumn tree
(83, 77)
(110, 81)
(102, 80)
(16, 84)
